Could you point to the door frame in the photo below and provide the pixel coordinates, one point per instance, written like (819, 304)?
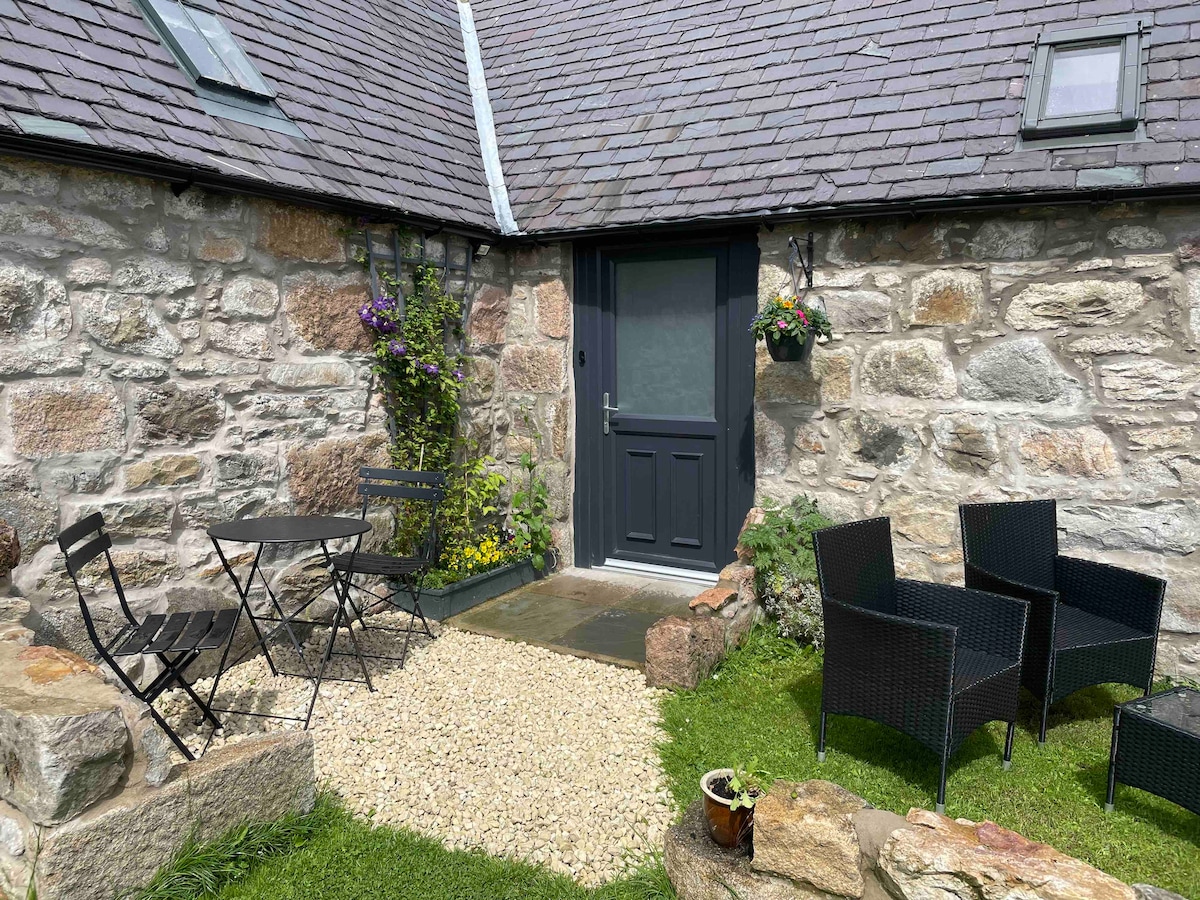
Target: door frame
(587, 365)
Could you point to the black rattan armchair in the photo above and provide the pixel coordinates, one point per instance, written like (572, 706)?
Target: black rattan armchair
(1089, 623)
(934, 661)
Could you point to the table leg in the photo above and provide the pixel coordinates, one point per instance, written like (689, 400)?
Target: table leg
(1112, 760)
(243, 603)
(285, 620)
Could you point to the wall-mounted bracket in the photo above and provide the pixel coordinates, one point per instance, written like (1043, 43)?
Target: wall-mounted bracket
(800, 262)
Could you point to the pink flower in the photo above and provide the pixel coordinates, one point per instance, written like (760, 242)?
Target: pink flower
(781, 323)
(803, 318)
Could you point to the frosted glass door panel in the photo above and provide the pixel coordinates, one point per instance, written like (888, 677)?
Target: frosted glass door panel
(666, 312)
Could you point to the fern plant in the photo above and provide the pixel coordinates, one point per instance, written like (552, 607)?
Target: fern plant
(786, 568)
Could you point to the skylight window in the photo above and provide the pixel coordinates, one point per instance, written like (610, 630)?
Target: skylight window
(1085, 81)
(206, 49)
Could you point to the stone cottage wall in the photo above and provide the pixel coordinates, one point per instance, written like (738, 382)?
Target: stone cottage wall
(174, 361)
(1034, 353)
(522, 395)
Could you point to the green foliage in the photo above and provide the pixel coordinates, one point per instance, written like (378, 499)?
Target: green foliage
(472, 497)
(786, 569)
(745, 785)
(349, 859)
(782, 542)
(789, 317)
(766, 701)
(202, 870)
(331, 855)
(420, 378)
(531, 524)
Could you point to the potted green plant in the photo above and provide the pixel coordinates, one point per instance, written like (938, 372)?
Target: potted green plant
(790, 327)
(729, 797)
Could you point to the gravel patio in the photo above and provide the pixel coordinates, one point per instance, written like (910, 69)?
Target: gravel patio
(480, 743)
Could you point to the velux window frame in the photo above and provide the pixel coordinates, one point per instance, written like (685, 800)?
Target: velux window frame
(154, 10)
(1133, 39)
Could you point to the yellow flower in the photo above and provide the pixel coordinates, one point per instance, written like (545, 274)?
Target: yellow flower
(788, 304)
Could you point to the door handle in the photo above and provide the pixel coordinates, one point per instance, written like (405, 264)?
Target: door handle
(608, 410)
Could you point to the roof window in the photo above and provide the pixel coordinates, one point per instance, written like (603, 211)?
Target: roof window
(206, 49)
(1086, 81)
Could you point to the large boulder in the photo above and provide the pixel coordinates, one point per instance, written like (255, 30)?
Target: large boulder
(912, 368)
(174, 414)
(203, 799)
(323, 477)
(681, 652)
(945, 297)
(947, 859)
(323, 310)
(700, 870)
(62, 734)
(805, 832)
(539, 369)
(66, 417)
(1075, 452)
(1080, 303)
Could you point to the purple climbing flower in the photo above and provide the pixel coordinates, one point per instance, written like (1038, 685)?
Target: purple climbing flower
(458, 375)
(378, 314)
(396, 348)
(431, 368)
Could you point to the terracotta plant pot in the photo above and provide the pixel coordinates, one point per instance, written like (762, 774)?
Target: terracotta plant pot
(728, 827)
(791, 349)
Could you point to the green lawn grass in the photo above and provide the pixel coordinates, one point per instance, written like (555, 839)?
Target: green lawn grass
(344, 858)
(764, 702)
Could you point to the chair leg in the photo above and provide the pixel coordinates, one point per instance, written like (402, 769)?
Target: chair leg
(1008, 745)
(407, 639)
(170, 732)
(941, 795)
(1045, 717)
(821, 739)
(205, 712)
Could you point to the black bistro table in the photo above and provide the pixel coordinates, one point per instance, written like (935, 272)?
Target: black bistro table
(289, 530)
(1156, 747)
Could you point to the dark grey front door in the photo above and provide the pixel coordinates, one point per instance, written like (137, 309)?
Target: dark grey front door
(671, 469)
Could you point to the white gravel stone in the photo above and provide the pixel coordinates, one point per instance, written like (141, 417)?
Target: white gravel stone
(477, 742)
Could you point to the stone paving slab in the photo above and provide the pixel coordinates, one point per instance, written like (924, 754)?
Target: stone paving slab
(615, 633)
(582, 612)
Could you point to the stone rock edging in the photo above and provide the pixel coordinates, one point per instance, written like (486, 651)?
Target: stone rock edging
(94, 799)
(681, 651)
(816, 839)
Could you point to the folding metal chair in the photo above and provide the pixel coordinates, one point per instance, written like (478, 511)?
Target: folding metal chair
(177, 640)
(419, 488)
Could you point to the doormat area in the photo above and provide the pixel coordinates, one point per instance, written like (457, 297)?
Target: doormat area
(581, 612)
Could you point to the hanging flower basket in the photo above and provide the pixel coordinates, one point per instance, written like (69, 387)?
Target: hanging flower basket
(791, 349)
(790, 327)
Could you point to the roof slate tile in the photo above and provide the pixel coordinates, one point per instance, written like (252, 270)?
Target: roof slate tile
(612, 111)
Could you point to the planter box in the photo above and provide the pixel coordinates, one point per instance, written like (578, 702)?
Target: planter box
(441, 603)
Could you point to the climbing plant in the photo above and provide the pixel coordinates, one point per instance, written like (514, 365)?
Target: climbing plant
(419, 378)
(419, 374)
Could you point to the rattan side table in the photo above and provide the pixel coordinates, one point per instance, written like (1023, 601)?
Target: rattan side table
(1156, 747)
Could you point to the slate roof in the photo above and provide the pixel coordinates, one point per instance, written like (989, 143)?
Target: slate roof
(619, 112)
(612, 112)
(379, 89)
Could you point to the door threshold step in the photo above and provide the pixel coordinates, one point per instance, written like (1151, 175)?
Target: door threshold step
(668, 573)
